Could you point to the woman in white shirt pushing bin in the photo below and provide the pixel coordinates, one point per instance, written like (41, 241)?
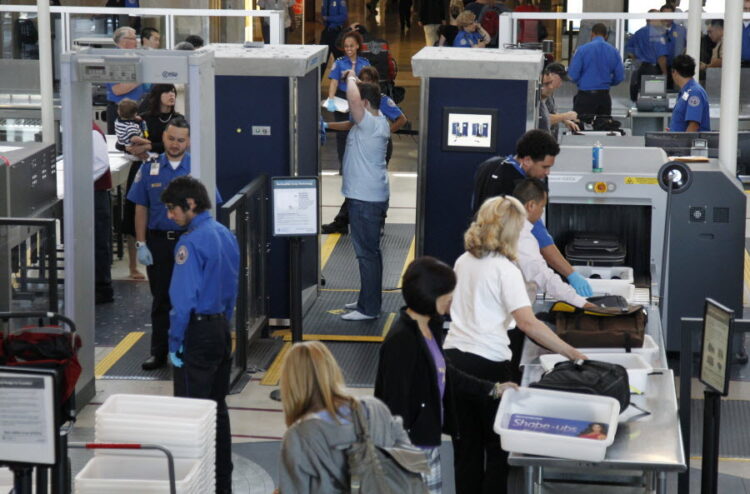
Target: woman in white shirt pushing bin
(490, 298)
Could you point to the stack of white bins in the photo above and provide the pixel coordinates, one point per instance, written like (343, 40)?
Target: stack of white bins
(186, 427)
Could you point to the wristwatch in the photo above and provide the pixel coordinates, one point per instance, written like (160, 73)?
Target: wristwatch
(139, 244)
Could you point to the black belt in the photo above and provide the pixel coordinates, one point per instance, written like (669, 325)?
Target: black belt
(594, 91)
(206, 317)
(167, 234)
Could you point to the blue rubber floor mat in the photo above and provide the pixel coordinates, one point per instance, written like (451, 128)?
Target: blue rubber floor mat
(131, 311)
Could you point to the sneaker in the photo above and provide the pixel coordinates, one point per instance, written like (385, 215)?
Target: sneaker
(356, 315)
(350, 305)
(334, 228)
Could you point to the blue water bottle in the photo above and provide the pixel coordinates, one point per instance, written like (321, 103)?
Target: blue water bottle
(596, 155)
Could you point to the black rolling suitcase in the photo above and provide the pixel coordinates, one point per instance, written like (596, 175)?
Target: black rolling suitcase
(595, 249)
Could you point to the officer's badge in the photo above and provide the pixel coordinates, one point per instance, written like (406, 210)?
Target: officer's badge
(182, 255)
(694, 101)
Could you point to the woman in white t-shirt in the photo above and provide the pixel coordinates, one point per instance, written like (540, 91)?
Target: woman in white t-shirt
(490, 298)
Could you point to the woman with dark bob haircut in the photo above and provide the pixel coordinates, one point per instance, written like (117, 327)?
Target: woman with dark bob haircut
(414, 379)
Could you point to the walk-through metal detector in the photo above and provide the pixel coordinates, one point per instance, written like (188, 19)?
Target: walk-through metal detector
(78, 71)
(475, 104)
(267, 122)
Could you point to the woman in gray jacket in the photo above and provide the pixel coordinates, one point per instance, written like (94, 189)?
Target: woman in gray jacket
(318, 416)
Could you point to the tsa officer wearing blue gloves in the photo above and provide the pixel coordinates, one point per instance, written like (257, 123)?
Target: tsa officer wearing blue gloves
(649, 45)
(335, 15)
(203, 293)
(155, 234)
(596, 66)
(690, 112)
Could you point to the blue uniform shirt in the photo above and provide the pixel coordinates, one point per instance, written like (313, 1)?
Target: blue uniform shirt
(539, 231)
(648, 44)
(205, 276)
(596, 65)
(334, 12)
(135, 94)
(691, 106)
(341, 65)
(745, 42)
(465, 39)
(389, 108)
(676, 36)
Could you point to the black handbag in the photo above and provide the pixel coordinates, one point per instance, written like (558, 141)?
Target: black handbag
(590, 377)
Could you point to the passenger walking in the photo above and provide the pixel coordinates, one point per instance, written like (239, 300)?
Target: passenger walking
(414, 379)
(203, 292)
(318, 414)
(490, 298)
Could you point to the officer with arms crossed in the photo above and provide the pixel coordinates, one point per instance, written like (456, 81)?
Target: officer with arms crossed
(690, 112)
(203, 293)
(155, 234)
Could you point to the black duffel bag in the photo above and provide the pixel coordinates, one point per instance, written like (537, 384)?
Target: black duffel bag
(590, 377)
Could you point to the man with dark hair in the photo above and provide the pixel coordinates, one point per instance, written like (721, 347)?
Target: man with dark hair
(649, 46)
(150, 38)
(203, 291)
(690, 112)
(156, 234)
(535, 156)
(195, 40)
(553, 76)
(365, 186)
(595, 68)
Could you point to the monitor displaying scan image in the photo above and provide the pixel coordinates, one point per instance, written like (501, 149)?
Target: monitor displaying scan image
(653, 85)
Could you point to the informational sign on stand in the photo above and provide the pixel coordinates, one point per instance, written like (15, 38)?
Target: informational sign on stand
(295, 206)
(716, 348)
(27, 416)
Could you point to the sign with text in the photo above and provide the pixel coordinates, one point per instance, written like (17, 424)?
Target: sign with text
(716, 346)
(295, 206)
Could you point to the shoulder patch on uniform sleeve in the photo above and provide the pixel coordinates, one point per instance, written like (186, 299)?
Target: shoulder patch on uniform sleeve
(138, 176)
(391, 102)
(464, 41)
(182, 255)
(694, 101)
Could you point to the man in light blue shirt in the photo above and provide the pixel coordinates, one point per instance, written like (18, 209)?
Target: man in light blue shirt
(596, 66)
(365, 186)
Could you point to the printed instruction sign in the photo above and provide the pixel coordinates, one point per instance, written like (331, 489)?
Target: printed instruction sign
(469, 129)
(295, 206)
(715, 350)
(27, 418)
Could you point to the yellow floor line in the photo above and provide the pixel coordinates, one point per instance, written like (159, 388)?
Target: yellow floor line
(408, 260)
(117, 352)
(280, 333)
(339, 338)
(328, 247)
(388, 323)
(747, 268)
(274, 372)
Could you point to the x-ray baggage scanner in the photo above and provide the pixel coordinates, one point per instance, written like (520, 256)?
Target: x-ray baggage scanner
(78, 71)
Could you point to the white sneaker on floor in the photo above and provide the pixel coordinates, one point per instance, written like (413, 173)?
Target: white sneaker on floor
(350, 305)
(356, 315)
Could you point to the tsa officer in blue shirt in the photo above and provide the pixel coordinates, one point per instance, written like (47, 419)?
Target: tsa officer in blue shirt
(596, 66)
(335, 15)
(203, 293)
(125, 39)
(675, 35)
(156, 235)
(649, 45)
(690, 112)
(470, 34)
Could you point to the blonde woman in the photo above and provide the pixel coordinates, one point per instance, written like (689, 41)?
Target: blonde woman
(317, 411)
(490, 298)
(470, 33)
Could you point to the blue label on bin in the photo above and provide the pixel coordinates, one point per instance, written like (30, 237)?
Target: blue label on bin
(561, 427)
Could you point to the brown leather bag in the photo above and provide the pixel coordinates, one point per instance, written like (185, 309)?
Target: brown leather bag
(602, 327)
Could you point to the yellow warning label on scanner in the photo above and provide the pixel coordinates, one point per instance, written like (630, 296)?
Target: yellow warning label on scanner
(641, 181)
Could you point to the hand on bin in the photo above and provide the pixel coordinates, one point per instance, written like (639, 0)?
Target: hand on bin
(330, 105)
(144, 255)
(176, 361)
(581, 285)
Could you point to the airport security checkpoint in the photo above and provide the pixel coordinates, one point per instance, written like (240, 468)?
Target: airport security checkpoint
(374, 246)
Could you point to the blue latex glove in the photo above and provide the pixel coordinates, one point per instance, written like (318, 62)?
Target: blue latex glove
(581, 285)
(330, 105)
(176, 361)
(323, 127)
(144, 255)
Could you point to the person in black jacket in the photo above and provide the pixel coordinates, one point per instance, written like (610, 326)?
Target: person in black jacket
(431, 15)
(414, 379)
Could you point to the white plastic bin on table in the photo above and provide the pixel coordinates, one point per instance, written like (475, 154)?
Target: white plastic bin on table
(559, 405)
(613, 287)
(129, 475)
(649, 351)
(637, 367)
(622, 273)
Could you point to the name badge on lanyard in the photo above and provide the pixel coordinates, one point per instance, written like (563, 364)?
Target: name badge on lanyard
(154, 168)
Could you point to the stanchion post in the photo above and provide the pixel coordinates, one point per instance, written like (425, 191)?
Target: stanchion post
(295, 289)
(711, 426)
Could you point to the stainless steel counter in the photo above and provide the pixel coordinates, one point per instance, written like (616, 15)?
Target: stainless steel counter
(651, 444)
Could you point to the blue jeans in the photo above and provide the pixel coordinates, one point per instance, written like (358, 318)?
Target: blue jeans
(365, 219)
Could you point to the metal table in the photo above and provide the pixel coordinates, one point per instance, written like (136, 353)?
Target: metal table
(650, 444)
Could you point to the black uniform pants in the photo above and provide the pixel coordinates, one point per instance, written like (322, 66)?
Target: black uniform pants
(597, 102)
(102, 244)
(404, 13)
(207, 362)
(480, 464)
(635, 80)
(111, 116)
(328, 37)
(161, 244)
